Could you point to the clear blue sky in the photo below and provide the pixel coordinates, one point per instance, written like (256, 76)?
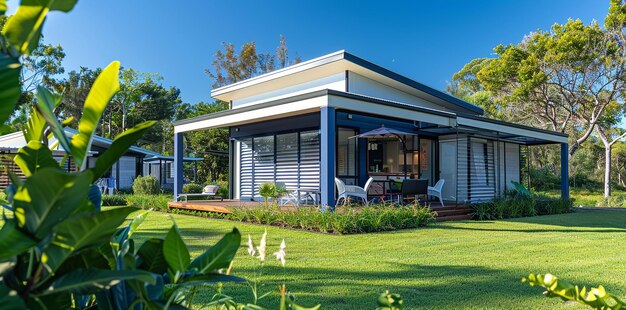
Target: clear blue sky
(425, 40)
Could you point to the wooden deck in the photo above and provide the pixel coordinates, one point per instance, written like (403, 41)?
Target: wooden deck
(220, 206)
(449, 212)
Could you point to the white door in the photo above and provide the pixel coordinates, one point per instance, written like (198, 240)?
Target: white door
(447, 169)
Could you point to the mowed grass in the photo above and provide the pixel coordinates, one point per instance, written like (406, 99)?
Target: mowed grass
(584, 197)
(466, 264)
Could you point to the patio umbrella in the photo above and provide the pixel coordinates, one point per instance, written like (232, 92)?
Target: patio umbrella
(386, 132)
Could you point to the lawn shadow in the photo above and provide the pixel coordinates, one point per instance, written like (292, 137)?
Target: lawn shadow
(421, 286)
(592, 221)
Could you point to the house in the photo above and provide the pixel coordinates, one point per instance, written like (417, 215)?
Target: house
(296, 125)
(135, 162)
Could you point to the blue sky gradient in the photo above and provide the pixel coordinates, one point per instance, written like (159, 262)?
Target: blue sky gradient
(426, 41)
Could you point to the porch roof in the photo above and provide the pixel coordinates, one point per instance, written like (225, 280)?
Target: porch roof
(442, 122)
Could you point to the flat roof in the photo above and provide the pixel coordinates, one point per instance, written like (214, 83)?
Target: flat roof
(341, 61)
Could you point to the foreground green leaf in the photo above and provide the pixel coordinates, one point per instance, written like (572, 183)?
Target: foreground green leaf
(9, 299)
(597, 298)
(220, 255)
(10, 89)
(46, 103)
(23, 30)
(89, 281)
(49, 197)
(151, 255)
(35, 126)
(34, 156)
(175, 251)
(103, 89)
(119, 146)
(83, 231)
(13, 241)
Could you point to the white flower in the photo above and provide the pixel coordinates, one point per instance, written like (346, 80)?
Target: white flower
(280, 255)
(261, 247)
(251, 250)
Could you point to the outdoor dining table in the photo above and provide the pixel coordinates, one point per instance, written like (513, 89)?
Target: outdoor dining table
(387, 185)
(389, 190)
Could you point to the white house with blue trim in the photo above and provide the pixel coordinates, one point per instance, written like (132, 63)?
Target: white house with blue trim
(295, 126)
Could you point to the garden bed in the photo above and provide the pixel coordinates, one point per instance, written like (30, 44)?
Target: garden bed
(518, 206)
(344, 220)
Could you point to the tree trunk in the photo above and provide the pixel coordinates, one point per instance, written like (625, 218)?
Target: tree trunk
(607, 171)
(123, 120)
(608, 145)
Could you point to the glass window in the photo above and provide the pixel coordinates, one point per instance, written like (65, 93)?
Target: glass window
(346, 152)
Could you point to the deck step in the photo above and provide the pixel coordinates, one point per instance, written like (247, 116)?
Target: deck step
(452, 211)
(458, 217)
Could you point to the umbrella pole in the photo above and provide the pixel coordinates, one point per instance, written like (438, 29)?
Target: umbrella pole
(404, 151)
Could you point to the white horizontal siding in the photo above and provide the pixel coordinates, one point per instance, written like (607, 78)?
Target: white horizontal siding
(127, 172)
(361, 85)
(335, 82)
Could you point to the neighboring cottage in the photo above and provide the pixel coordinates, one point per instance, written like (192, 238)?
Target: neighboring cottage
(135, 162)
(297, 126)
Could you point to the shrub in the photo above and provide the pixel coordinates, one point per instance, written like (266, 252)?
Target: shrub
(517, 206)
(618, 201)
(147, 185)
(273, 190)
(156, 202)
(223, 191)
(192, 188)
(342, 221)
(113, 200)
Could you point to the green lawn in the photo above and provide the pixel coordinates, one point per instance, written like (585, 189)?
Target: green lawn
(465, 264)
(584, 197)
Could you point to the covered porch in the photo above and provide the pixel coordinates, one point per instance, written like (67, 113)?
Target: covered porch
(304, 142)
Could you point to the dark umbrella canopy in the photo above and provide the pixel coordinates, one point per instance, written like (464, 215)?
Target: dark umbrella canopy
(386, 132)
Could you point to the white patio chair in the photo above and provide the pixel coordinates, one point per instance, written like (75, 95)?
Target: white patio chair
(436, 190)
(289, 197)
(346, 191)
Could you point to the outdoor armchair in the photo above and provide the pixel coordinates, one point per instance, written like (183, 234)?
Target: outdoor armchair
(346, 191)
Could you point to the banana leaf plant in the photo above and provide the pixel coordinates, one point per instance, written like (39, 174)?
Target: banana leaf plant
(177, 275)
(58, 251)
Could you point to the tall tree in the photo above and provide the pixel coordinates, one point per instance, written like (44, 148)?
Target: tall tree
(606, 130)
(211, 144)
(160, 104)
(230, 66)
(562, 79)
(75, 88)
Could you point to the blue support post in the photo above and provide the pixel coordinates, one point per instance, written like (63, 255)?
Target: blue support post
(327, 157)
(564, 171)
(178, 164)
